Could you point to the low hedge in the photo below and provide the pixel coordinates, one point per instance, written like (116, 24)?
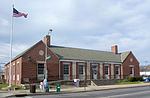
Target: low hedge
(133, 79)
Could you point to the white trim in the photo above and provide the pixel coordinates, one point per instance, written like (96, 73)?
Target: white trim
(108, 69)
(18, 69)
(72, 61)
(66, 63)
(18, 77)
(92, 61)
(117, 75)
(93, 64)
(74, 70)
(131, 65)
(101, 71)
(40, 62)
(112, 71)
(132, 70)
(14, 71)
(95, 76)
(121, 71)
(81, 76)
(88, 70)
(107, 76)
(59, 71)
(66, 76)
(40, 75)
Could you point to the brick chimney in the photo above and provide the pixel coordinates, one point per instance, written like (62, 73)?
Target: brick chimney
(47, 40)
(114, 49)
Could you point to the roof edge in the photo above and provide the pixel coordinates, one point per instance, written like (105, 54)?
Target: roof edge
(24, 52)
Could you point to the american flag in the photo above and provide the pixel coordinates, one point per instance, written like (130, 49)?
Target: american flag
(18, 14)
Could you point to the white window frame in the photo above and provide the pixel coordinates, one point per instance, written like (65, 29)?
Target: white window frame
(96, 76)
(81, 76)
(83, 69)
(132, 70)
(117, 75)
(106, 75)
(107, 70)
(68, 69)
(18, 69)
(14, 71)
(66, 76)
(40, 76)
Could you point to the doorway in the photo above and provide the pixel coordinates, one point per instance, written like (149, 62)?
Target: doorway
(94, 72)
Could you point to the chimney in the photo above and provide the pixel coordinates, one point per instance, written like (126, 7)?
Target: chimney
(114, 49)
(47, 40)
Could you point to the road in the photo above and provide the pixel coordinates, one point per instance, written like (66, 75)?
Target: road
(138, 92)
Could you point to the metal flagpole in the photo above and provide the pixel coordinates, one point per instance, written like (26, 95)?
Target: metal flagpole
(11, 33)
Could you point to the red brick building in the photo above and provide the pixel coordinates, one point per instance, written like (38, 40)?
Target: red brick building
(70, 63)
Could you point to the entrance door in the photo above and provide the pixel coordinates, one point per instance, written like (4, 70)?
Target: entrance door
(81, 72)
(66, 72)
(94, 72)
(106, 70)
(40, 71)
(117, 72)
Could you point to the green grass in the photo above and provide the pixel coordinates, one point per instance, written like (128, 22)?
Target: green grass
(6, 85)
(17, 87)
(3, 85)
(121, 83)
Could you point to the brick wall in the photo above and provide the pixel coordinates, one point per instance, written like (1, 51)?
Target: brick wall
(31, 59)
(14, 79)
(130, 60)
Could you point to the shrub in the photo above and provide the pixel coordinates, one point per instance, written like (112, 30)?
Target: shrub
(133, 79)
(139, 79)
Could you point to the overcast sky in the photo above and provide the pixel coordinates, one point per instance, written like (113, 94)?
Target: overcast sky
(89, 24)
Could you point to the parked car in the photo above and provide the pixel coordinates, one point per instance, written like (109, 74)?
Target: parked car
(145, 76)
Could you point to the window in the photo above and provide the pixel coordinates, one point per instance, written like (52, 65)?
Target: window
(117, 70)
(18, 71)
(17, 68)
(14, 69)
(40, 68)
(106, 70)
(80, 69)
(131, 70)
(66, 68)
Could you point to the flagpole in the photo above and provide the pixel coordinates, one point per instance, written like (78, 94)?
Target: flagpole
(11, 38)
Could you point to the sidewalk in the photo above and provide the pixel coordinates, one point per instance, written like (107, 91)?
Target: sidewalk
(70, 90)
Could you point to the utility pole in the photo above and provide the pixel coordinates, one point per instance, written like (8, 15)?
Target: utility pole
(46, 78)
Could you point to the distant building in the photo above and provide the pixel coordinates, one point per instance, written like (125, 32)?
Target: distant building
(2, 72)
(147, 73)
(70, 63)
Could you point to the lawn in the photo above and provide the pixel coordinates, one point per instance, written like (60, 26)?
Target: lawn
(3, 85)
(6, 85)
(121, 83)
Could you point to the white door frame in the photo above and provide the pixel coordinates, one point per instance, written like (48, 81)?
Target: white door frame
(82, 76)
(66, 76)
(94, 75)
(40, 76)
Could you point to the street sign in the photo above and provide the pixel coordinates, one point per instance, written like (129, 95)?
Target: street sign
(48, 57)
